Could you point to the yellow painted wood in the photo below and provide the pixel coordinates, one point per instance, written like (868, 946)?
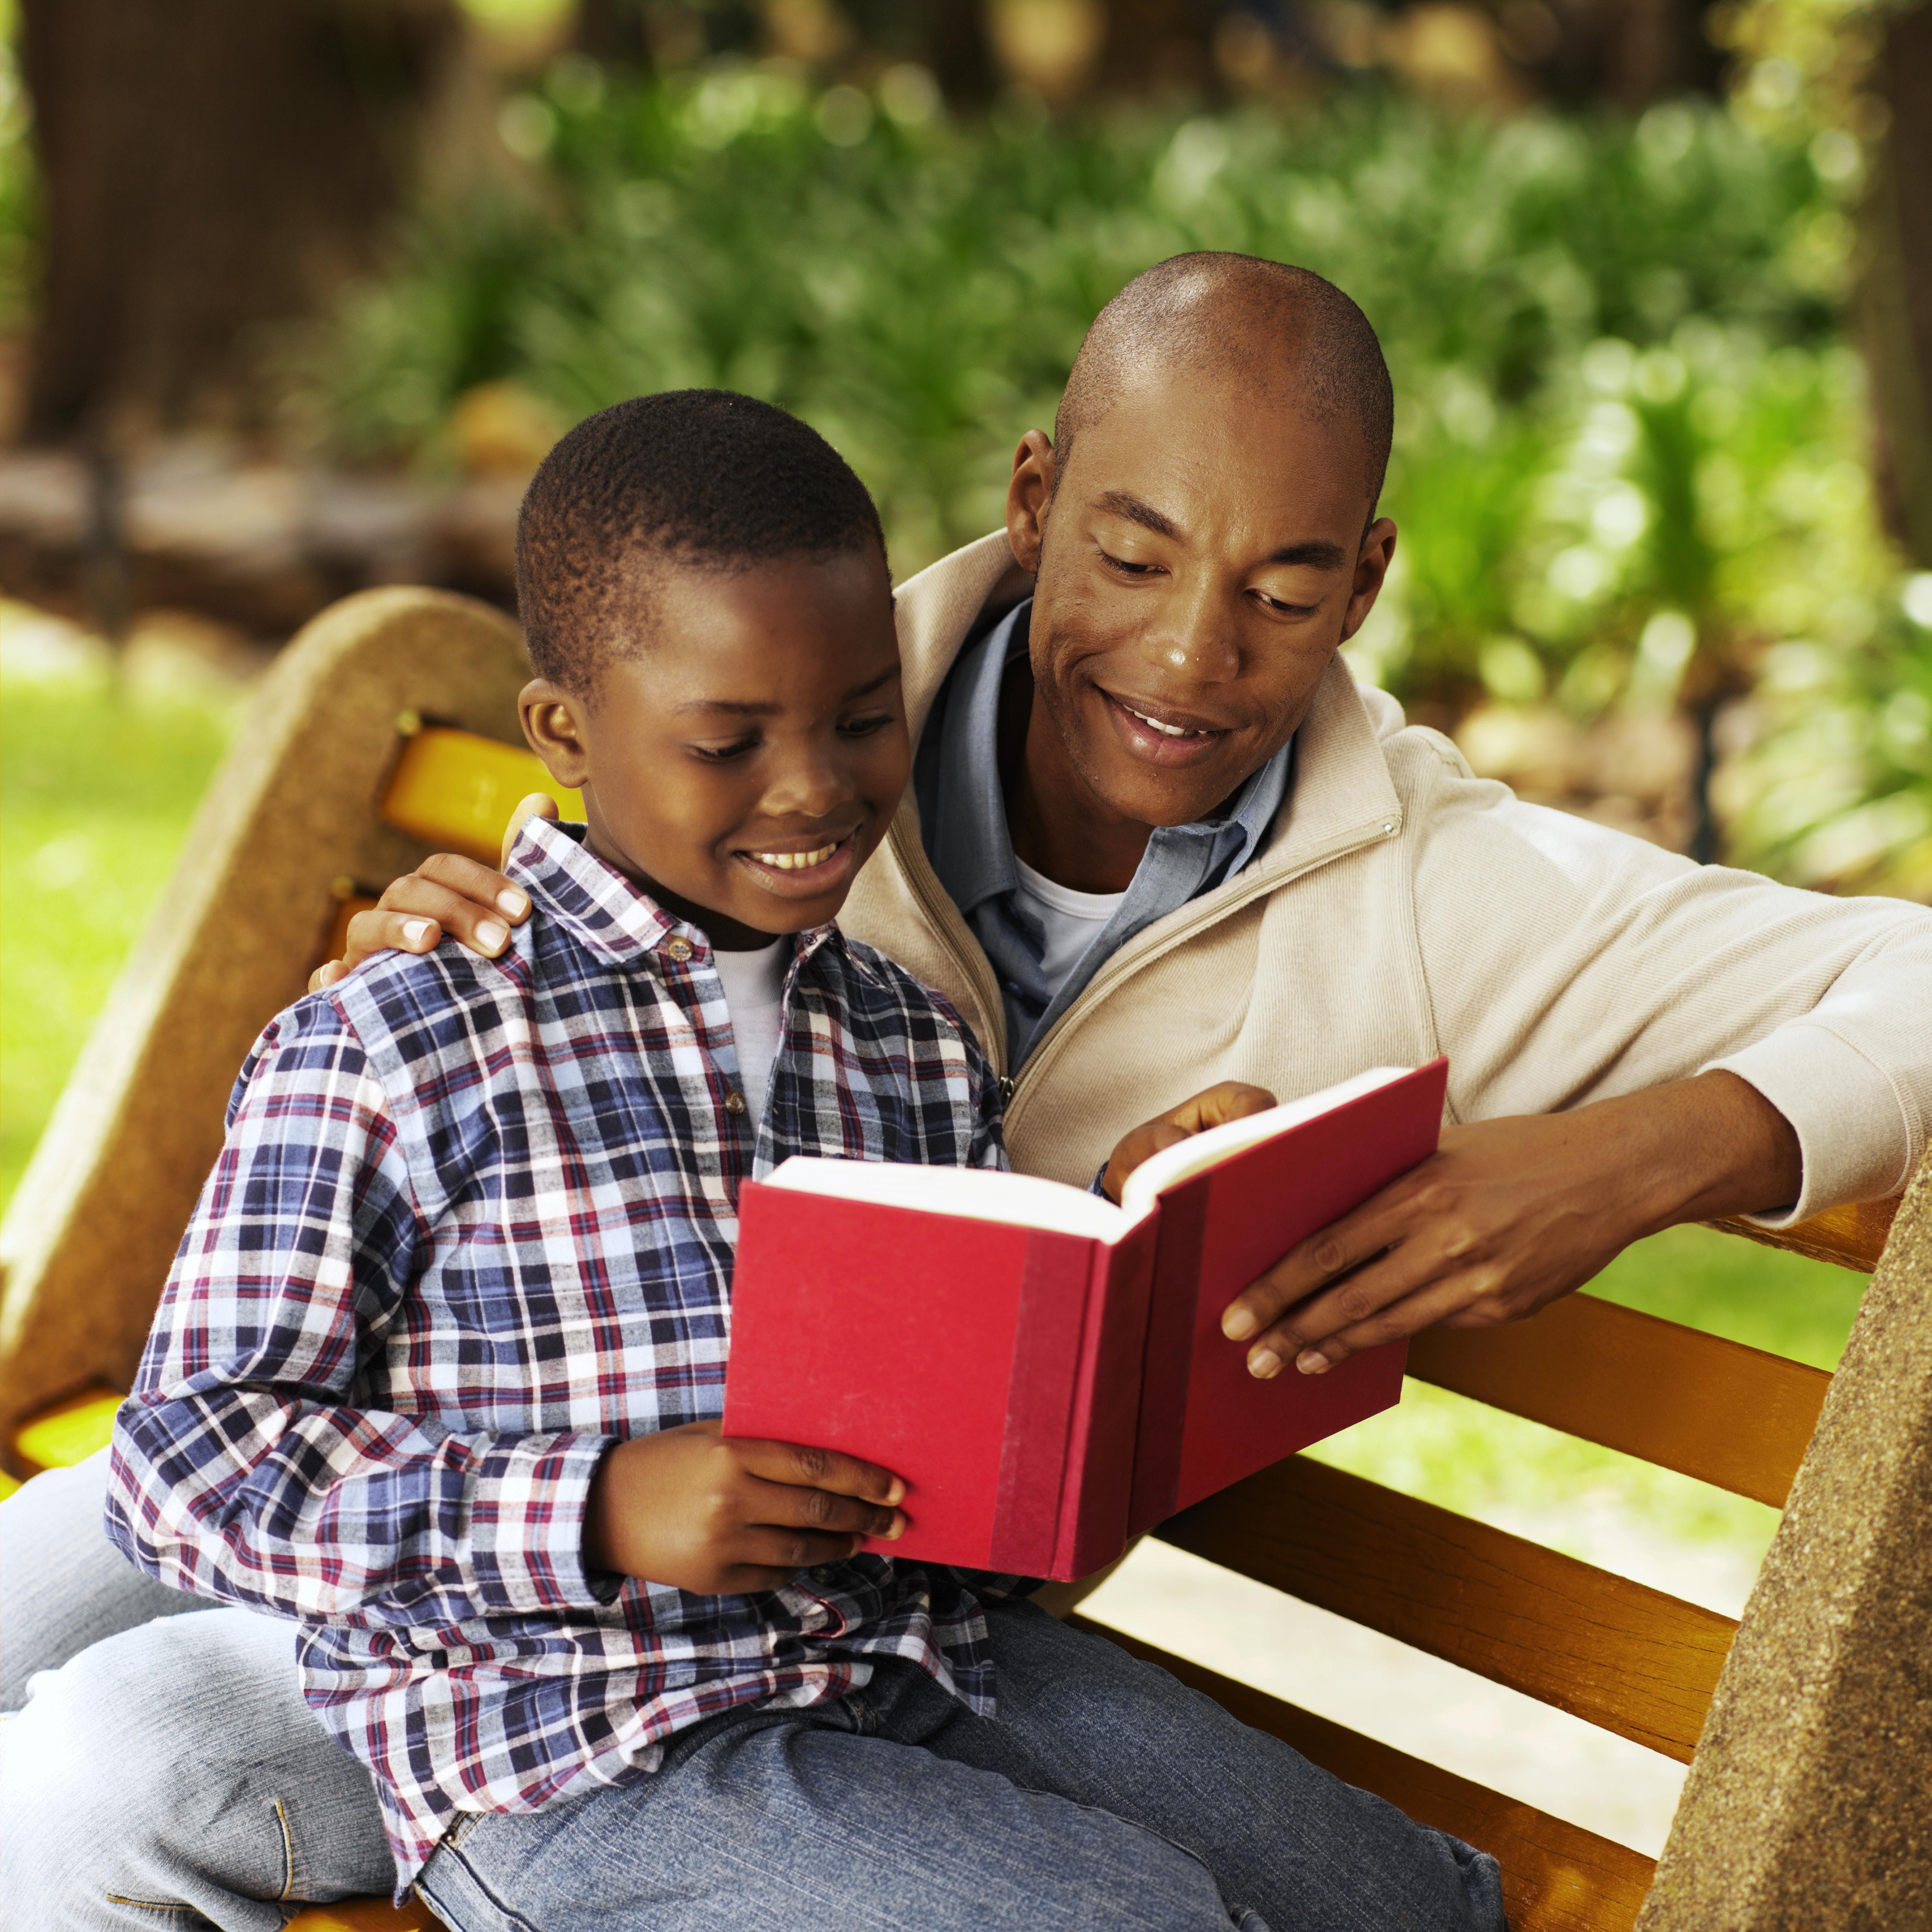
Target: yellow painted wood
(1707, 1408)
(1617, 1653)
(68, 1432)
(455, 790)
(364, 1915)
(1557, 1877)
(1853, 1236)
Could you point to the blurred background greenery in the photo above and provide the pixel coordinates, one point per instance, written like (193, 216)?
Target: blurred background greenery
(1654, 278)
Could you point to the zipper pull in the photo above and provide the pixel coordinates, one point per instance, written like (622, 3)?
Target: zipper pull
(1007, 1085)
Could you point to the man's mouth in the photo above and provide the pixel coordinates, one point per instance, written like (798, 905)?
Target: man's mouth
(1160, 736)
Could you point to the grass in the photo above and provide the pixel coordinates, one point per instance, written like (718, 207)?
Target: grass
(99, 778)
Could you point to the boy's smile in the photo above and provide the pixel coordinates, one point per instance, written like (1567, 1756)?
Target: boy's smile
(743, 765)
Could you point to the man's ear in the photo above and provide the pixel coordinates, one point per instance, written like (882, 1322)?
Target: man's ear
(1372, 568)
(1027, 497)
(553, 720)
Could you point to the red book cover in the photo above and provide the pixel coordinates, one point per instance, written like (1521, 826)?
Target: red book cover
(996, 1367)
(1205, 1421)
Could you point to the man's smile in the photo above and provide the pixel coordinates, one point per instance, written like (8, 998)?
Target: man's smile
(1158, 734)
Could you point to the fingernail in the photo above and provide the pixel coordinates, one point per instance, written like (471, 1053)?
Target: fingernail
(1263, 1363)
(897, 1493)
(489, 935)
(413, 929)
(1237, 1324)
(513, 903)
(1312, 1362)
(897, 1530)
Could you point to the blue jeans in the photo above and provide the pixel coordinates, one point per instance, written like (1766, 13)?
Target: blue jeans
(167, 1774)
(1105, 1794)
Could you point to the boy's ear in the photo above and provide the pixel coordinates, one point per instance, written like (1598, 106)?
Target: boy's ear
(553, 720)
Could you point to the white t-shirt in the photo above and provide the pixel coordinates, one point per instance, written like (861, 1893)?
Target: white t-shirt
(754, 988)
(1073, 921)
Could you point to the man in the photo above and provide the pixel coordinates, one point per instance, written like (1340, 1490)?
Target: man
(1160, 839)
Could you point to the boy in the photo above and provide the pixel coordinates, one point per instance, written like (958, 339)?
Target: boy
(438, 1369)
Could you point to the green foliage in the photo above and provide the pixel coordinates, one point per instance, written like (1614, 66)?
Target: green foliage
(919, 293)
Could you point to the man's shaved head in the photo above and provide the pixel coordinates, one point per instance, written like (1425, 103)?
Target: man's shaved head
(1284, 330)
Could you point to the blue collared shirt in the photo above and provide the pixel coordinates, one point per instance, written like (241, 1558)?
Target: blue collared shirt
(962, 816)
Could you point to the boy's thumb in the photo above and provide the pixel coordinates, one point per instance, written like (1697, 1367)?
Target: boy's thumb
(533, 805)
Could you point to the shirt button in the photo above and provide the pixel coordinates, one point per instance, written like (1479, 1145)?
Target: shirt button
(678, 948)
(734, 1102)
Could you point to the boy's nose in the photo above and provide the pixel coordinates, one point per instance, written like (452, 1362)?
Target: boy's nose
(809, 788)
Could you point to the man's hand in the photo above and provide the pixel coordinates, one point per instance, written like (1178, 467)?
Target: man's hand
(1510, 1213)
(444, 894)
(1231, 1100)
(717, 1517)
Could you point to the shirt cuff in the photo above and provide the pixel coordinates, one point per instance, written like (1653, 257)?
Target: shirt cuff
(1854, 1133)
(527, 1508)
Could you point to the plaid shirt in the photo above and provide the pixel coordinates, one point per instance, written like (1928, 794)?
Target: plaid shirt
(474, 1222)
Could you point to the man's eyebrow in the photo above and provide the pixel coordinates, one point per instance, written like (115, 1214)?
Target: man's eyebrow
(1318, 554)
(1123, 504)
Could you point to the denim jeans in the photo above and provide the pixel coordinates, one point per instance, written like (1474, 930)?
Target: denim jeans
(170, 1774)
(1105, 1794)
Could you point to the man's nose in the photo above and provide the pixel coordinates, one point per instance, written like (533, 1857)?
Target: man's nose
(1194, 638)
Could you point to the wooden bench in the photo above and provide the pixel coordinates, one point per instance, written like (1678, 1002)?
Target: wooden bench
(1804, 1726)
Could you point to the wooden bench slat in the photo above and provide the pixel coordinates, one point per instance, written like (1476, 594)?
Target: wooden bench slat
(1557, 1876)
(1853, 1236)
(1727, 1415)
(1617, 1653)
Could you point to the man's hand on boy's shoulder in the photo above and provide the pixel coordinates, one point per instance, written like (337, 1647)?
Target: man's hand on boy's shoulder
(445, 895)
(690, 1508)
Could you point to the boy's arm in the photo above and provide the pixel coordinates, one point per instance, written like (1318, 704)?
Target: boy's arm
(243, 1467)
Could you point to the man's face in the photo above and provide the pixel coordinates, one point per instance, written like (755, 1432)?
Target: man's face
(744, 765)
(1199, 564)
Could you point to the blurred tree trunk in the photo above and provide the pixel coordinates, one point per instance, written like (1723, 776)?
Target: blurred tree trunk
(614, 32)
(1158, 44)
(961, 51)
(207, 165)
(1896, 298)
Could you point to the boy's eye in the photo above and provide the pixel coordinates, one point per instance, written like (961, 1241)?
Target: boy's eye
(718, 754)
(864, 728)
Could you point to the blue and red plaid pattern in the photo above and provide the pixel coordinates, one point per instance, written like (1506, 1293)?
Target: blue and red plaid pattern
(474, 1221)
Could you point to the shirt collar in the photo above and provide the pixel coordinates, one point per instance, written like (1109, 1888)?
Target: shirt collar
(602, 909)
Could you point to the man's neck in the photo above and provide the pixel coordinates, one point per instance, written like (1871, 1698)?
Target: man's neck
(1060, 826)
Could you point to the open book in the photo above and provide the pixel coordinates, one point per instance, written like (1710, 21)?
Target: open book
(1046, 1370)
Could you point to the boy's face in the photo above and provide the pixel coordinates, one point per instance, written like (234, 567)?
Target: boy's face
(744, 765)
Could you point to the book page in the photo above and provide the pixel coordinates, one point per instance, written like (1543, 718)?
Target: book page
(978, 1193)
(1203, 1150)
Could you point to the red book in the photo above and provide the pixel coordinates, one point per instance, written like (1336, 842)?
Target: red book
(1046, 1370)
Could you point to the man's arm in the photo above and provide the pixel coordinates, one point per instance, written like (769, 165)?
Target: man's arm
(1510, 1213)
(1635, 1041)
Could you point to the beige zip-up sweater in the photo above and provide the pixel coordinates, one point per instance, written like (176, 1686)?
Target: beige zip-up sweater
(1403, 907)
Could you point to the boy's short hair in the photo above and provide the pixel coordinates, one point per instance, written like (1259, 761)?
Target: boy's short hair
(701, 478)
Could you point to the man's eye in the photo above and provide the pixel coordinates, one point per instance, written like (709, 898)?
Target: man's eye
(718, 754)
(1126, 568)
(1286, 609)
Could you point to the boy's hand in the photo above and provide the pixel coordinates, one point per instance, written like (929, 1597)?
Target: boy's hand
(716, 1517)
(444, 894)
(1232, 1100)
